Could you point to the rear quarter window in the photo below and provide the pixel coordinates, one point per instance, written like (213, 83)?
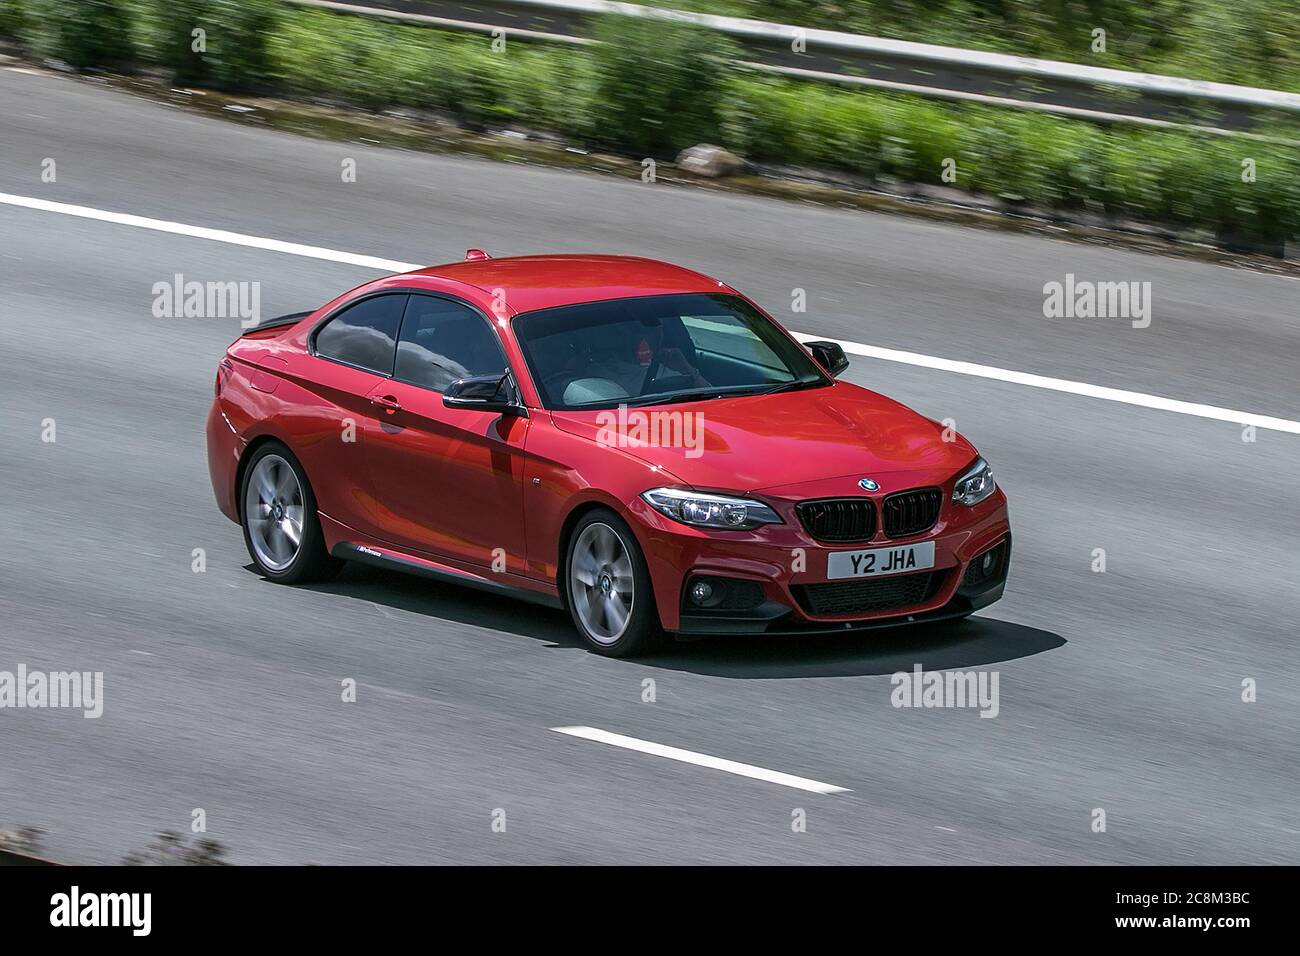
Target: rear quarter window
(364, 334)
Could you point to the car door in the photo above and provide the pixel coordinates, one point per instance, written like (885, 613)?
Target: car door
(449, 480)
(353, 353)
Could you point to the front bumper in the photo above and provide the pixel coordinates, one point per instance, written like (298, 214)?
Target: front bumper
(783, 561)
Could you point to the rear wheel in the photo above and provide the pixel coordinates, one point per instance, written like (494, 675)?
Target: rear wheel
(278, 514)
(608, 588)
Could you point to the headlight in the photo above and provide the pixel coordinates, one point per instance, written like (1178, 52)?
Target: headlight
(710, 511)
(975, 484)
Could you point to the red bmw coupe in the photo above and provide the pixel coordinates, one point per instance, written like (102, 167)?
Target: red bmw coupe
(626, 438)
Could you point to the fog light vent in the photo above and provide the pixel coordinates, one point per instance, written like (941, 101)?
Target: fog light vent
(987, 569)
(722, 594)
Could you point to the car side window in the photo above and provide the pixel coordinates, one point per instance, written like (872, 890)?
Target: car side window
(442, 341)
(364, 334)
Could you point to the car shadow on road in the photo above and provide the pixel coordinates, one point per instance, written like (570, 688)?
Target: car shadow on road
(450, 603)
(973, 642)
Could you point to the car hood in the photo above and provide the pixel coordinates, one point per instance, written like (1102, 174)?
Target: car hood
(801, 444)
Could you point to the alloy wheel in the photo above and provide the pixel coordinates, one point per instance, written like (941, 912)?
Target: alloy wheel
(601, 584)
(273, 510)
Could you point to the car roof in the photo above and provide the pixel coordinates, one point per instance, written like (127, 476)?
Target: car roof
(542, 282)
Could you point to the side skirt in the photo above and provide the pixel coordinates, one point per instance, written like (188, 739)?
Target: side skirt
(439, 572)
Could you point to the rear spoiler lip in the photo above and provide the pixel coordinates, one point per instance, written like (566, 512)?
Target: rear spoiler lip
(279, 322)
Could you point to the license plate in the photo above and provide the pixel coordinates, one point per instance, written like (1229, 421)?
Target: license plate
(880, 561)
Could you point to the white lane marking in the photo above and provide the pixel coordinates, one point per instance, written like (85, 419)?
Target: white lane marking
(1123, 396)
(201, 232)
(1062, 385)
(699, 760)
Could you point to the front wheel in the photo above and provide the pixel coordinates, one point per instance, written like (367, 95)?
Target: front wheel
(608, 588)
(281, 527)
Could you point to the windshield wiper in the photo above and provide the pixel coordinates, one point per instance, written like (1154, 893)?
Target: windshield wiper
(794, 386)
(695, 395)
(700, 394)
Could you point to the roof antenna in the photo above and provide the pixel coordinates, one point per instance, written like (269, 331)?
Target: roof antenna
(474, 255)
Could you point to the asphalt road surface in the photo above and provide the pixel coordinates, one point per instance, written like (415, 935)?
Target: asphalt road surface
(1119, 690)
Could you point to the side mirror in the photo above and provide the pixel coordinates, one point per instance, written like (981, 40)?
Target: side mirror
(829, 356)
(486, 393)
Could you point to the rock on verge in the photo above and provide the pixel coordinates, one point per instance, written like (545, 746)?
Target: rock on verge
(710, 161)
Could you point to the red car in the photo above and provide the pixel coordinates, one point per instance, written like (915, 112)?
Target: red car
(626, 438)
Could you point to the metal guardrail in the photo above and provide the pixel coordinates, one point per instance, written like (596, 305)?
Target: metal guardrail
(851, 59)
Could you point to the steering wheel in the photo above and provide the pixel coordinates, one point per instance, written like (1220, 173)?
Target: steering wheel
(556, 383)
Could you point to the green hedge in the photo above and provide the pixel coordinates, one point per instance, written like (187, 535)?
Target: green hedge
(1180, 178)
(11, 18)
(233, 41)
(659, 86)
(376, 64)
(94, 33)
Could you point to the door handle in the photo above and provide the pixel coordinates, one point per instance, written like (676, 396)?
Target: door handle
(389, 404)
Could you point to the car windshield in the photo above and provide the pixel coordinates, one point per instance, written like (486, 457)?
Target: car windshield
(659, 349)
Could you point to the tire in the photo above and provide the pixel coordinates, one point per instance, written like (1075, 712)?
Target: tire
(602, 561)
(275, 500)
